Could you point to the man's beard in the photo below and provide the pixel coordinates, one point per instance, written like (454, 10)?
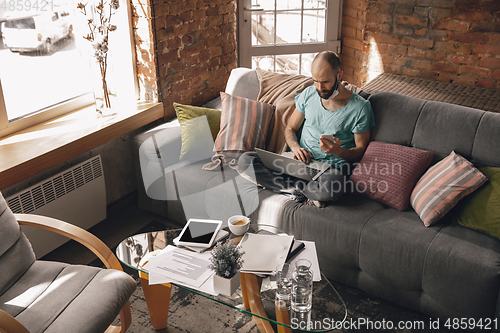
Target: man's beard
(325, 94)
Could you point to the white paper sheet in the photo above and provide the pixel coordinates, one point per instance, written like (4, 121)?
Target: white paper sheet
(179, 266)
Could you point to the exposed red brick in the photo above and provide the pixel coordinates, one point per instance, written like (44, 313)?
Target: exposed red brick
(410, 72)
(445, 67)
(386, 38)
(454, 25)
(469, 37)
(486, 83)
(474, 15)
(397, 49)
(495, 39)
(429, 75)
(412, 20)
(492, 63)
(352, 22)
(476, 71)
(463, 59)
(353, 43)
(487, 49)
(454, 47)
(421, 32)
(464, 79)
(379, 18)
(414, 52)
(419, 42)
(496, 75)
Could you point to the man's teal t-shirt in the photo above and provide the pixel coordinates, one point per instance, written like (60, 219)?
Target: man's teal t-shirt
(355, 117)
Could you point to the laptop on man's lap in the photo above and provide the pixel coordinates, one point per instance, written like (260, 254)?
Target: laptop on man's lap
(286, 164)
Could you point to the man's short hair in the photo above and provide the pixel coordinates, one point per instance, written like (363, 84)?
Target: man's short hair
(331, 58)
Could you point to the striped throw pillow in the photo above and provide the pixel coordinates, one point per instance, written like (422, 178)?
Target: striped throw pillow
(244, 124)
(443, 185)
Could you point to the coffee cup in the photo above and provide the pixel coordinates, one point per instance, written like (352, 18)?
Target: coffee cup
(238, 224)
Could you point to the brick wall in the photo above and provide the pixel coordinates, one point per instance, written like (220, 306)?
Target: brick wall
(187, 51)
(449, 40)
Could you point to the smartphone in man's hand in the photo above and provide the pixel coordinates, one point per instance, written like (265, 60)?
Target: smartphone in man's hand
(328, 137)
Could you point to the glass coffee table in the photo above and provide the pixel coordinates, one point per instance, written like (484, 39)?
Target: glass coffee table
(255, 296)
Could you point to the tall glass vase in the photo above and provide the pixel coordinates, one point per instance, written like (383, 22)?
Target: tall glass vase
(104, 94)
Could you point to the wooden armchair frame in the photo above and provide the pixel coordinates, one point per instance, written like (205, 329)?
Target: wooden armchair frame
(9, 324)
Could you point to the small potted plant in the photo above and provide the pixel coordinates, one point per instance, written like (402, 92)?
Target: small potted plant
(226, 261)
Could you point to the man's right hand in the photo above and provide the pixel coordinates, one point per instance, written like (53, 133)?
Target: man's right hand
(302, 154)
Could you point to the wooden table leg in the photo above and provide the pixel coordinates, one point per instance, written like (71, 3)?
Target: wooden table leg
(252, 284)
(158, 301)
(244, 292)
(282, 316)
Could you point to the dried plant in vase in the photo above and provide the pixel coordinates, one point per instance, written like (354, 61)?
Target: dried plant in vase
(99, 23)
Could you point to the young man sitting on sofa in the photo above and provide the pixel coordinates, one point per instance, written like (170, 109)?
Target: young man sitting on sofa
(327, 107)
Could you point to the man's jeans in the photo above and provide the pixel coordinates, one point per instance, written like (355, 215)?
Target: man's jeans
(328, 187)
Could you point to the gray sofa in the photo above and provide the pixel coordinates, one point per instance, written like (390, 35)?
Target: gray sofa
(445, 271)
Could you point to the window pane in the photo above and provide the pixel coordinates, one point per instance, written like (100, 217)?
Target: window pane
(288, 28)
(289, 4)
(314, 26)
(263, 4)
(266, 63)
(306, 62)
(41, 64)
(314, 3)
(288, 64)
(262, 28)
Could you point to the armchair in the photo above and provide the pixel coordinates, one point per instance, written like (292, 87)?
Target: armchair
(45, 296)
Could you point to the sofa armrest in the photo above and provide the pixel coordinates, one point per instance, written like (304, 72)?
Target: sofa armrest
(158, 149)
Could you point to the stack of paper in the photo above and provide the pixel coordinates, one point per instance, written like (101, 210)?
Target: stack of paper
(263, 253)
(180, 266)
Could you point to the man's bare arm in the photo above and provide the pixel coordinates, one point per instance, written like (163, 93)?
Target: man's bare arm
(294, 123)
(351, 154)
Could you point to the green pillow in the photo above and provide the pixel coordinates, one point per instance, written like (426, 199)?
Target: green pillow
(198, 135)
(481, 210)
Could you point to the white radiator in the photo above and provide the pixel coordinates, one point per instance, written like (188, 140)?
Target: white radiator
(76, 195)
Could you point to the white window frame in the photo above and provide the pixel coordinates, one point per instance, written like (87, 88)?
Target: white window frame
(246, 51)
(125, 65)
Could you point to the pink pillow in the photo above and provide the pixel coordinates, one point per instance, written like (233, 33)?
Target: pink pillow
(388, 172)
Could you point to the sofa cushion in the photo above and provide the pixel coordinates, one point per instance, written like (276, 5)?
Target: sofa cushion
(443, 185)
(392, 254)
(481, 210)
(443, 127)
(486, 150)
(244, 124)
(390, 128)
(388, 172)
(199, 128)
(460, 277)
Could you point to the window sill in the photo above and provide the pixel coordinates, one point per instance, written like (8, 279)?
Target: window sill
(40, 147)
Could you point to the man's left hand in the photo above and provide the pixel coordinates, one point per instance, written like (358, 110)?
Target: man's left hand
(331, 147)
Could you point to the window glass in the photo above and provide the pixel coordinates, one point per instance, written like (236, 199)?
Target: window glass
(41, 61)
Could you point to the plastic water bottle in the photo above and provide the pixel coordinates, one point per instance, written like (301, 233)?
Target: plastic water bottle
(302, 284)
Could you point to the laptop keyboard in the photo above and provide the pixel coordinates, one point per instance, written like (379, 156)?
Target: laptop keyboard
(312, 171)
